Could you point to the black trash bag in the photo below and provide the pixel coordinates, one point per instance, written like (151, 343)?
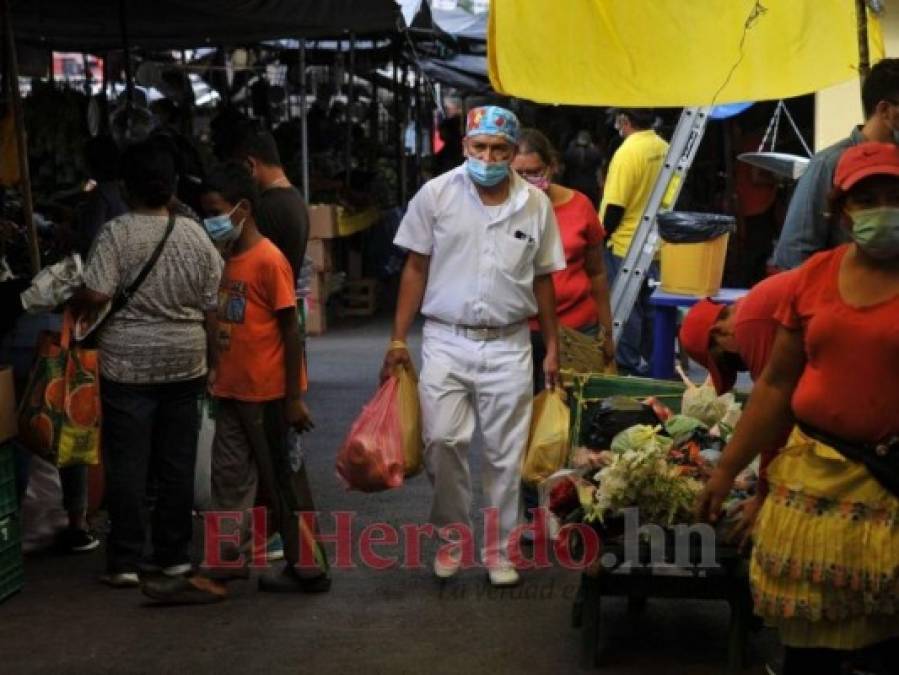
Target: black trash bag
(602, 421)
(689, 227)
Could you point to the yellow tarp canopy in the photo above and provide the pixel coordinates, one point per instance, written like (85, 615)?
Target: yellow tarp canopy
(670, 53)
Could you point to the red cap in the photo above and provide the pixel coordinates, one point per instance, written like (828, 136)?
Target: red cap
(695, 337)
(866, 159)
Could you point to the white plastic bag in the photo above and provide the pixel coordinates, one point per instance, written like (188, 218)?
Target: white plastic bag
(203, 465)
(53, 285)
(42, 513)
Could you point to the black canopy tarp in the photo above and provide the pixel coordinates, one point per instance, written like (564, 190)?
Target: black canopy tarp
(171, 24)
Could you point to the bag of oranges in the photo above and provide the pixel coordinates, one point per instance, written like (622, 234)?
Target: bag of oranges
(59, 415)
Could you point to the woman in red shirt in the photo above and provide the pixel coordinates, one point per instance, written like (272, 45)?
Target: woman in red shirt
(825, 567)
(582, 290)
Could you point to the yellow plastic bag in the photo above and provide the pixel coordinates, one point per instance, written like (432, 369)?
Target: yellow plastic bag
(410, 420)
(548, 441)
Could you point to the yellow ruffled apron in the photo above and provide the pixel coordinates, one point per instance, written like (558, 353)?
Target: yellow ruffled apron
(825, 567)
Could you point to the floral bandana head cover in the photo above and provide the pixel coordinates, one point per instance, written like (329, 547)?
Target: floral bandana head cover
(491, 120)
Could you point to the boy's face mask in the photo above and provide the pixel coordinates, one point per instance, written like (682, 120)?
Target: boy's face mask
(222, 230)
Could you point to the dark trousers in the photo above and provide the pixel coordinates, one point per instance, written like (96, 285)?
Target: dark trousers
(634, 349)
(150, 428)
(249, 454)
(73, 480)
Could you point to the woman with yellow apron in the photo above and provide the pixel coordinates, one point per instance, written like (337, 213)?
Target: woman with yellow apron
(825, 566)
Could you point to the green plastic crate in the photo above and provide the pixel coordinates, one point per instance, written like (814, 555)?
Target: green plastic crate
(9, 502)
(588, 389)
(12, 574)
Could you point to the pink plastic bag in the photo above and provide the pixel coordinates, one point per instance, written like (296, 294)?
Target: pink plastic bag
(371, 458)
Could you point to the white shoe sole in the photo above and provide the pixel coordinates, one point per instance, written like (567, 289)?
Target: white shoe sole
(504, 579)
(442, 572)
(87, 547)
(125, 580)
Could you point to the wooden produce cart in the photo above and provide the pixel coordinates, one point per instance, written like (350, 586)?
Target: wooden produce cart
(637, 571)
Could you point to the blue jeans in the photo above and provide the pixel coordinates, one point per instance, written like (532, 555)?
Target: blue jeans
(634, 348)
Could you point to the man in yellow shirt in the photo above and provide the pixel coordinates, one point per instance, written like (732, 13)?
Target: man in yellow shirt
(631, 177)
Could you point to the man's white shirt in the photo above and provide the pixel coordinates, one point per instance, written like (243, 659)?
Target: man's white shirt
(482, 266)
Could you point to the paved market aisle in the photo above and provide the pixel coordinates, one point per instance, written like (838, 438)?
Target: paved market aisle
(395, 621)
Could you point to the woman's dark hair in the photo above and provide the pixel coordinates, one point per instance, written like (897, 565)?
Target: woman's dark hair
(102, 157)
(148, 170)
(234, 182)
(533, 140)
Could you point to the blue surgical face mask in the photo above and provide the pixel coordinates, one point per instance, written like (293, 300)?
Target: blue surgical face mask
(221, 229)
(486, 174)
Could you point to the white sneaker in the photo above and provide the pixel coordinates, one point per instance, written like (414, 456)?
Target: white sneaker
(446, 566)
(503, 575)
(121, 580)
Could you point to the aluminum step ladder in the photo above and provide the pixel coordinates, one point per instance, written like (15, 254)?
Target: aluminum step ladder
(681, 151)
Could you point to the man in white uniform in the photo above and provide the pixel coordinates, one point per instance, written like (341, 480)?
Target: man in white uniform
(482, 245)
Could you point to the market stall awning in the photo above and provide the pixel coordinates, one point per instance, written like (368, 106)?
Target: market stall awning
(164, 24)
(462, 71)
(670, 53)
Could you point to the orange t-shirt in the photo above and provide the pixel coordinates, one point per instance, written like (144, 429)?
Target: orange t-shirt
(255, 285)
(848, 387)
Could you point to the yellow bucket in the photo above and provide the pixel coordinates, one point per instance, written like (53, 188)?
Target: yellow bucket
(694, 269)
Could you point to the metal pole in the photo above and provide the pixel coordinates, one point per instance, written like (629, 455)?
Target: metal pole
(126, 53)
(88, 79)
(397, 123)
(350, 102)
(864, 57)
(304, 129)
(417, 126)
(21, 140)
(404, 166)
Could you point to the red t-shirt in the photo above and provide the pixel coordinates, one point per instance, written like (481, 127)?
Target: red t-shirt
(579, 227)
(755, 324)
(848, 387)
(255, 285)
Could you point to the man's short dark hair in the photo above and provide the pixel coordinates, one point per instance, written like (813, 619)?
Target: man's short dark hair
(148, 170)
(233, 181)
(258, 144)
(882, 84)
(641, 118)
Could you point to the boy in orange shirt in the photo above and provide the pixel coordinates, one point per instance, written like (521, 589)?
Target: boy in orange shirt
(258, 378)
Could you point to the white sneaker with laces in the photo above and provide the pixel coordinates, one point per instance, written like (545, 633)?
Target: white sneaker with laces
(503, 575)
(446, 564)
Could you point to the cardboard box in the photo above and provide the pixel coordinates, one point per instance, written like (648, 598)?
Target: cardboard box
(323, 221)
(318, 286)
(8, 426)
(316, 318)
(321, 252)
(317, 304)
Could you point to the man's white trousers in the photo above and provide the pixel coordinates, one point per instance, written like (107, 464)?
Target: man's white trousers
(466, 382)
